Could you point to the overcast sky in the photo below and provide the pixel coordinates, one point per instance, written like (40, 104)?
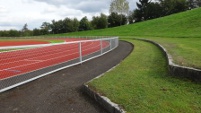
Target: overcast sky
(15, 13)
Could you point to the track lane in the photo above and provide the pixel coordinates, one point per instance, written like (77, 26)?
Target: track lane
(35, 52)
(54, 55)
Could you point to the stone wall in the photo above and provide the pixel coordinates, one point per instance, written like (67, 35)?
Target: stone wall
(177, 70)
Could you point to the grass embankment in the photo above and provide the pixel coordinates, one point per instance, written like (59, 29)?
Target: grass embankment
(186, 24)
(171, 31)
(185, 51)
(141, 84)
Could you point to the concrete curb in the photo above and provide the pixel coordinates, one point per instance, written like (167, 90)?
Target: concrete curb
(102, 100)
(177, 70)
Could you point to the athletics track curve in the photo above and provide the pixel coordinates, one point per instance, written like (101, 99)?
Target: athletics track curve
(61, 92)
(23, 61)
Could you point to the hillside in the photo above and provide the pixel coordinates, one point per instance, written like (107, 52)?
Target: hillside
(181, 34)
(141, 83)
(185, 24)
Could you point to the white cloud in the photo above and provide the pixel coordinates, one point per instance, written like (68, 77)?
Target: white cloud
(3, 9)
(15, 13)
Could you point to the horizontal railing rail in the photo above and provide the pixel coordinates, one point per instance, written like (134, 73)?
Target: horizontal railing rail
(82, 52)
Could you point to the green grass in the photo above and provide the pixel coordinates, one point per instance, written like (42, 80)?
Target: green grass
(141, 84)
(179, 33)
(6, 50)
(185, 51)
(186, 24)
(55, 41)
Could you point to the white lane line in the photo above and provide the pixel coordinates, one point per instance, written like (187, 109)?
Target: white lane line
(90, 43)
(12, 70)
(38, 61)
(40, 56)
(42, 51)
(31, 60)
(48, 59)
(37, 51)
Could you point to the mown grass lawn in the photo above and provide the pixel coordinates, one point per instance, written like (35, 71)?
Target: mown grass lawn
(185, 51)
(179, 33)
(141, 84)
(186, 24)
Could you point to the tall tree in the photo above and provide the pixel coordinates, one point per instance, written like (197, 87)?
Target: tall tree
(67, 25)
(70, 25)
(191, 4)
(57, 27)
(142, 10)
(99, 22)
(45, 28)
(119, 6)
(198, 3)
(194, 3)
(173, 6)
(25, 31)
(75, 25)
(14, 33)
(25, 28)
(84, 24)
(37, 32)
(115, 19)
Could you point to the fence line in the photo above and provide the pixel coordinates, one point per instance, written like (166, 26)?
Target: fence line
(106, 45)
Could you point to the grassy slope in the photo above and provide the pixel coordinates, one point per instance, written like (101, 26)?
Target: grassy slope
(185, 51)
(139, 87)
(186, 24)
(141, 84)
(170, 31)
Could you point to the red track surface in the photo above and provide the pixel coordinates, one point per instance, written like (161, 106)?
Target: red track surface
(19, 62)
(22, 42)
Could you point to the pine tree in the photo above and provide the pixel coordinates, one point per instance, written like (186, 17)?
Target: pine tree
(143, 9)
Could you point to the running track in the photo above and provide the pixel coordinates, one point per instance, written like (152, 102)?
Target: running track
(23, 61)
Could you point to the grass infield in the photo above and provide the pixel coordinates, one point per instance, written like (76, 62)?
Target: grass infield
(141, 83)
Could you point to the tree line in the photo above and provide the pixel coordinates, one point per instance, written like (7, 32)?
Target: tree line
(147, 9)
(119, 15)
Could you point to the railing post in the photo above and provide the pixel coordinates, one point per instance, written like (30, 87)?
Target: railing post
(80, 51)
(110, 43)
(116, 42)
(101, 44)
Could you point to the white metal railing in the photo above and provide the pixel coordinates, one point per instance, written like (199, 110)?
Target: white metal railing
(105, 44)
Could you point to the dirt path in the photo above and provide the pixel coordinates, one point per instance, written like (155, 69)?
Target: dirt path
(61, 92)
